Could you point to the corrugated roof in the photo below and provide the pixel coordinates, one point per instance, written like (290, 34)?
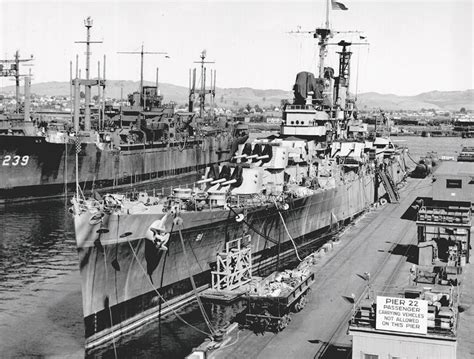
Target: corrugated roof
(455, 168)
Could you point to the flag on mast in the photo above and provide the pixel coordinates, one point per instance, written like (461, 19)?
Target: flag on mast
(336, 5)
(78, 145)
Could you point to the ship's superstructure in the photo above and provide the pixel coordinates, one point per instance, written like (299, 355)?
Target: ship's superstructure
(286, 192)
(17, 121)
(143, 142)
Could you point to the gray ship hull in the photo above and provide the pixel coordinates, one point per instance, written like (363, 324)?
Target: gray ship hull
(126, 280)
(33, 168)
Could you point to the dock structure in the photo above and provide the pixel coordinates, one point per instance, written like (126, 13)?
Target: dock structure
(444, 235)
(374, 252)
(233, 274)
(409, 322)
(394, 262)
(453, 184)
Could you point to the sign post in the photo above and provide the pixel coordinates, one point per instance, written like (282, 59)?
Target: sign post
(402, 315)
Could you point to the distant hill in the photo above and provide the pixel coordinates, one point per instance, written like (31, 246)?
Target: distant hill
(439, 100)
(179, 94)
(232, 97)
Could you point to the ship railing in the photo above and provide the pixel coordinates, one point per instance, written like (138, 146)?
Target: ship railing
(232, 200)
(299, 107)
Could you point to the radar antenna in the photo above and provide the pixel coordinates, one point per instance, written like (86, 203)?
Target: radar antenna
(142, 53)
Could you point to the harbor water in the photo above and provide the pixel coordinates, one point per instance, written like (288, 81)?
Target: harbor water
(40, 293)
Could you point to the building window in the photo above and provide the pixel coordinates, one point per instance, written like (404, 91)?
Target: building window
(371, 356)
(453, 183)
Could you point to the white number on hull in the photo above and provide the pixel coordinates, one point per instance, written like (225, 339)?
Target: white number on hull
(6, 160)
(17, 160)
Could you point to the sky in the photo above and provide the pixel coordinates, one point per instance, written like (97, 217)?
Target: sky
(414, 46)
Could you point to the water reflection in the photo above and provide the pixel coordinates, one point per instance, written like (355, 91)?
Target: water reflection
(40, 286)
(170, 337)
(37, 243)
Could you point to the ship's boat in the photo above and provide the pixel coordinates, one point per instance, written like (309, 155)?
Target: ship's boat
(286, 192)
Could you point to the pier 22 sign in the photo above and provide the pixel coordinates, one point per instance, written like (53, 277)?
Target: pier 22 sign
(402, 315)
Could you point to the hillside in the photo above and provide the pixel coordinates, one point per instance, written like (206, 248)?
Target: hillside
(233, 97)
(439, 100)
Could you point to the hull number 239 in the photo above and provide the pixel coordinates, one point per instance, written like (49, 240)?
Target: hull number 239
(9, 160)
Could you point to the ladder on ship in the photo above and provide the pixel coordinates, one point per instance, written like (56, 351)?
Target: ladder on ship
(389, 185)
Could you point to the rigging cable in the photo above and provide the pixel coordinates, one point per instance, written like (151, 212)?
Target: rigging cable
(108, 304)
(408, 154)
(254, 229)
(65, 171)
(267, 237)
(161, 297)
(191, 277)
(288, 232)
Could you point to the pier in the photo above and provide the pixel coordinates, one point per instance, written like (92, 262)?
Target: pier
(378, 250)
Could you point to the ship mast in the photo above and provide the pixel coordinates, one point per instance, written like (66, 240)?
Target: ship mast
(14, 71)
(202, 92)
(142, 54)
(323, 34)
(87, 82)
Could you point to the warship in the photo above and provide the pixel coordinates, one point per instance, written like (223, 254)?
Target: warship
(145, 141)
(145, 256)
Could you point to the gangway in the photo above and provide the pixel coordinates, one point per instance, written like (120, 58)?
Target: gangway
(389, 185)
